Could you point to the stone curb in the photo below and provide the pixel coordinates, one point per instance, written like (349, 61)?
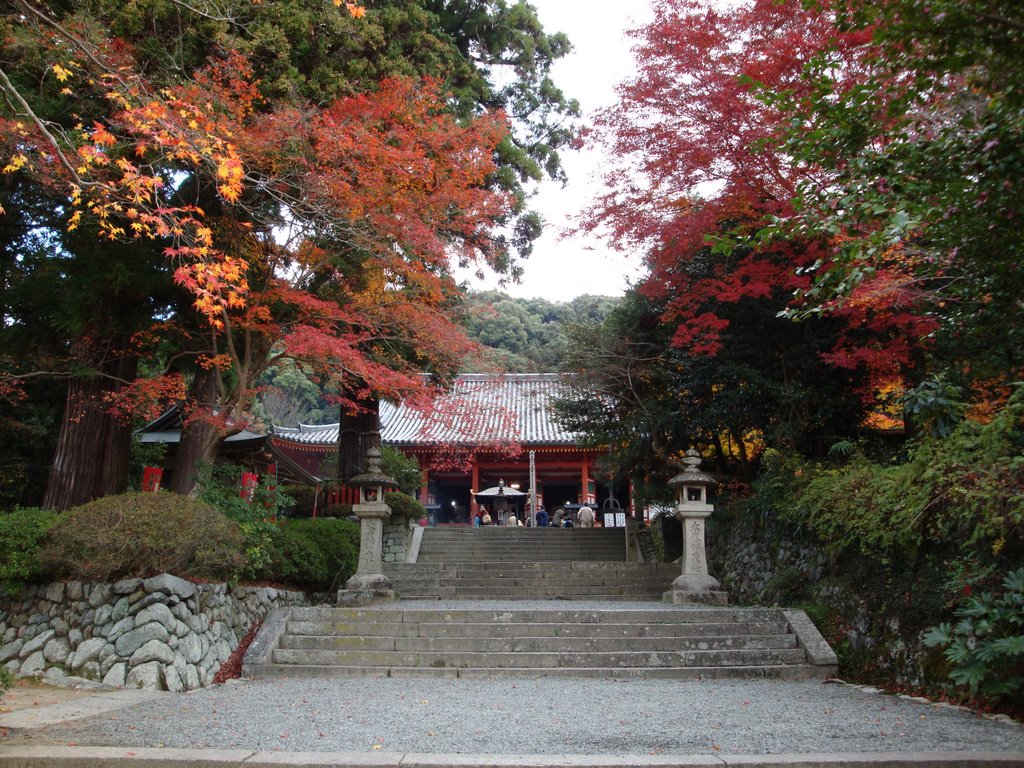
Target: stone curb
(122, 757)
(262, 646)
(77, 708)
(819, 652)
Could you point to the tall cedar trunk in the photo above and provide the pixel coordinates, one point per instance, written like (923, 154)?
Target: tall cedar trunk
(359, 432)
(91, 459)
(200, 439)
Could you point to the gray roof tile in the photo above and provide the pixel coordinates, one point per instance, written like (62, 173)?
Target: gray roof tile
(480, 409)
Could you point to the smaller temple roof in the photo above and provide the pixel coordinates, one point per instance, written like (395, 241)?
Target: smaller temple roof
(481, 408)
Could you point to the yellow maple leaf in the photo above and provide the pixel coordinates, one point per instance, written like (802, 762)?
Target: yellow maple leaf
(17, 162)
(61, 73)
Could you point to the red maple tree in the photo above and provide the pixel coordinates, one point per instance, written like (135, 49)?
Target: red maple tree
(700, 168)
(322, 233)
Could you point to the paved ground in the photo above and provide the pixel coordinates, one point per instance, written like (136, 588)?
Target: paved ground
(529, 716)
(501, 722)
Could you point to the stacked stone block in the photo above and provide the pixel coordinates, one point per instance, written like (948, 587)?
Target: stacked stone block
(162, 633)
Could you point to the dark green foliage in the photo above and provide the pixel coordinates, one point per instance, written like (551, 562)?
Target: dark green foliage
(314, 554)
(906, 539)
(405, 470)
(141, 535)
(405, 507)
(6, 681)
(986, 645)
(22, 533)
(219, 487)
(338, 510)
(965, 492)
(528, 335)
(647, 399)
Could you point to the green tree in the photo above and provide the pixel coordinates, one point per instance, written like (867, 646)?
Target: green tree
(917, 162)
(459, 44)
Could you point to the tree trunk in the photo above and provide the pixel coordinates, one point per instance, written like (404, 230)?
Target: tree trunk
(200, 438)
(91, 459)
(359, 432)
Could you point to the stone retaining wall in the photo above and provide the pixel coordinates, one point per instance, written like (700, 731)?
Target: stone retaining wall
(396, 537)
(776, 564)
(162, 633)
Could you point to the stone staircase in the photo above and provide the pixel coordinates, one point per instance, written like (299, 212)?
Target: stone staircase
(527, 564)
(656, 642)
(577, 630)
(502, 580)
(524, 545)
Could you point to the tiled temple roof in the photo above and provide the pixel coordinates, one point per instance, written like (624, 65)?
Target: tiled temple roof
(480, 409)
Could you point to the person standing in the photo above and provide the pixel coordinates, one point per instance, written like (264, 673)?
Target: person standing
(586, 517)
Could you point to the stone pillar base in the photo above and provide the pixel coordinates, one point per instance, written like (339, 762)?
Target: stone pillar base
(680, 597)
(373, 582)
(359, 597)
(696, 589)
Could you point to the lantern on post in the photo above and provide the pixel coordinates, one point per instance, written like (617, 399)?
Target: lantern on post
(368, 583)
(691, 488)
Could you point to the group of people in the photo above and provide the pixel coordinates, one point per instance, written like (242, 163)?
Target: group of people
(563, 518)
(483, 517)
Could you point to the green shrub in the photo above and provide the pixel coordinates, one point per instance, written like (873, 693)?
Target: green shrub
(965, 490)
(296, 560)
(316, 554)
(6, 681)
(22, 533)
(986, 645)
(338, 510)
(219, 487)
(143, 534)
(404, 506)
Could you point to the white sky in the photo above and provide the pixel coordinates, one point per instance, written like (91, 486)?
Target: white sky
(561, 269)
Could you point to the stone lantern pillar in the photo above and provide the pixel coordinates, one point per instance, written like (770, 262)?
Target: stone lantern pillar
(369, 584)
(694, 585)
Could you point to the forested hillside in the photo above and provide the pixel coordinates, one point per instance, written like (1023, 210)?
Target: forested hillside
(529, 335)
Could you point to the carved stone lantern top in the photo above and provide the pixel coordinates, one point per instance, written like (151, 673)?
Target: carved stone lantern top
(373, 476)
(692, 474)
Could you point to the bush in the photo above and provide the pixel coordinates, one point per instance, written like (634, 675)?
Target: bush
(297, 560)
(316, 554)
(986, 645)
(22, 533)
(6, 681)
(143, 534)
(404, 506)
(219, 487)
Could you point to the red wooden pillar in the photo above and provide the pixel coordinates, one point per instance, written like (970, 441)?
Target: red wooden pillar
(473, 488)
(424, 486)
(584, 479)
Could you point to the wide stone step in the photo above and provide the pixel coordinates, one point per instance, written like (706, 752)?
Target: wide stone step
(633, 631)
(525, 557)
(754, 671)
(502, 658)
(453, 594)
(539, 592)
(540, 570)
(548, 615)
(660, 641)
(445, 645)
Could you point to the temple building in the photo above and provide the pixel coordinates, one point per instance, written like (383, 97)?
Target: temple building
(482, 435)
(474, 450)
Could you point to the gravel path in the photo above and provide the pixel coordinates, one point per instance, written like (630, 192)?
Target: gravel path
(539, 716)
(536, 715)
